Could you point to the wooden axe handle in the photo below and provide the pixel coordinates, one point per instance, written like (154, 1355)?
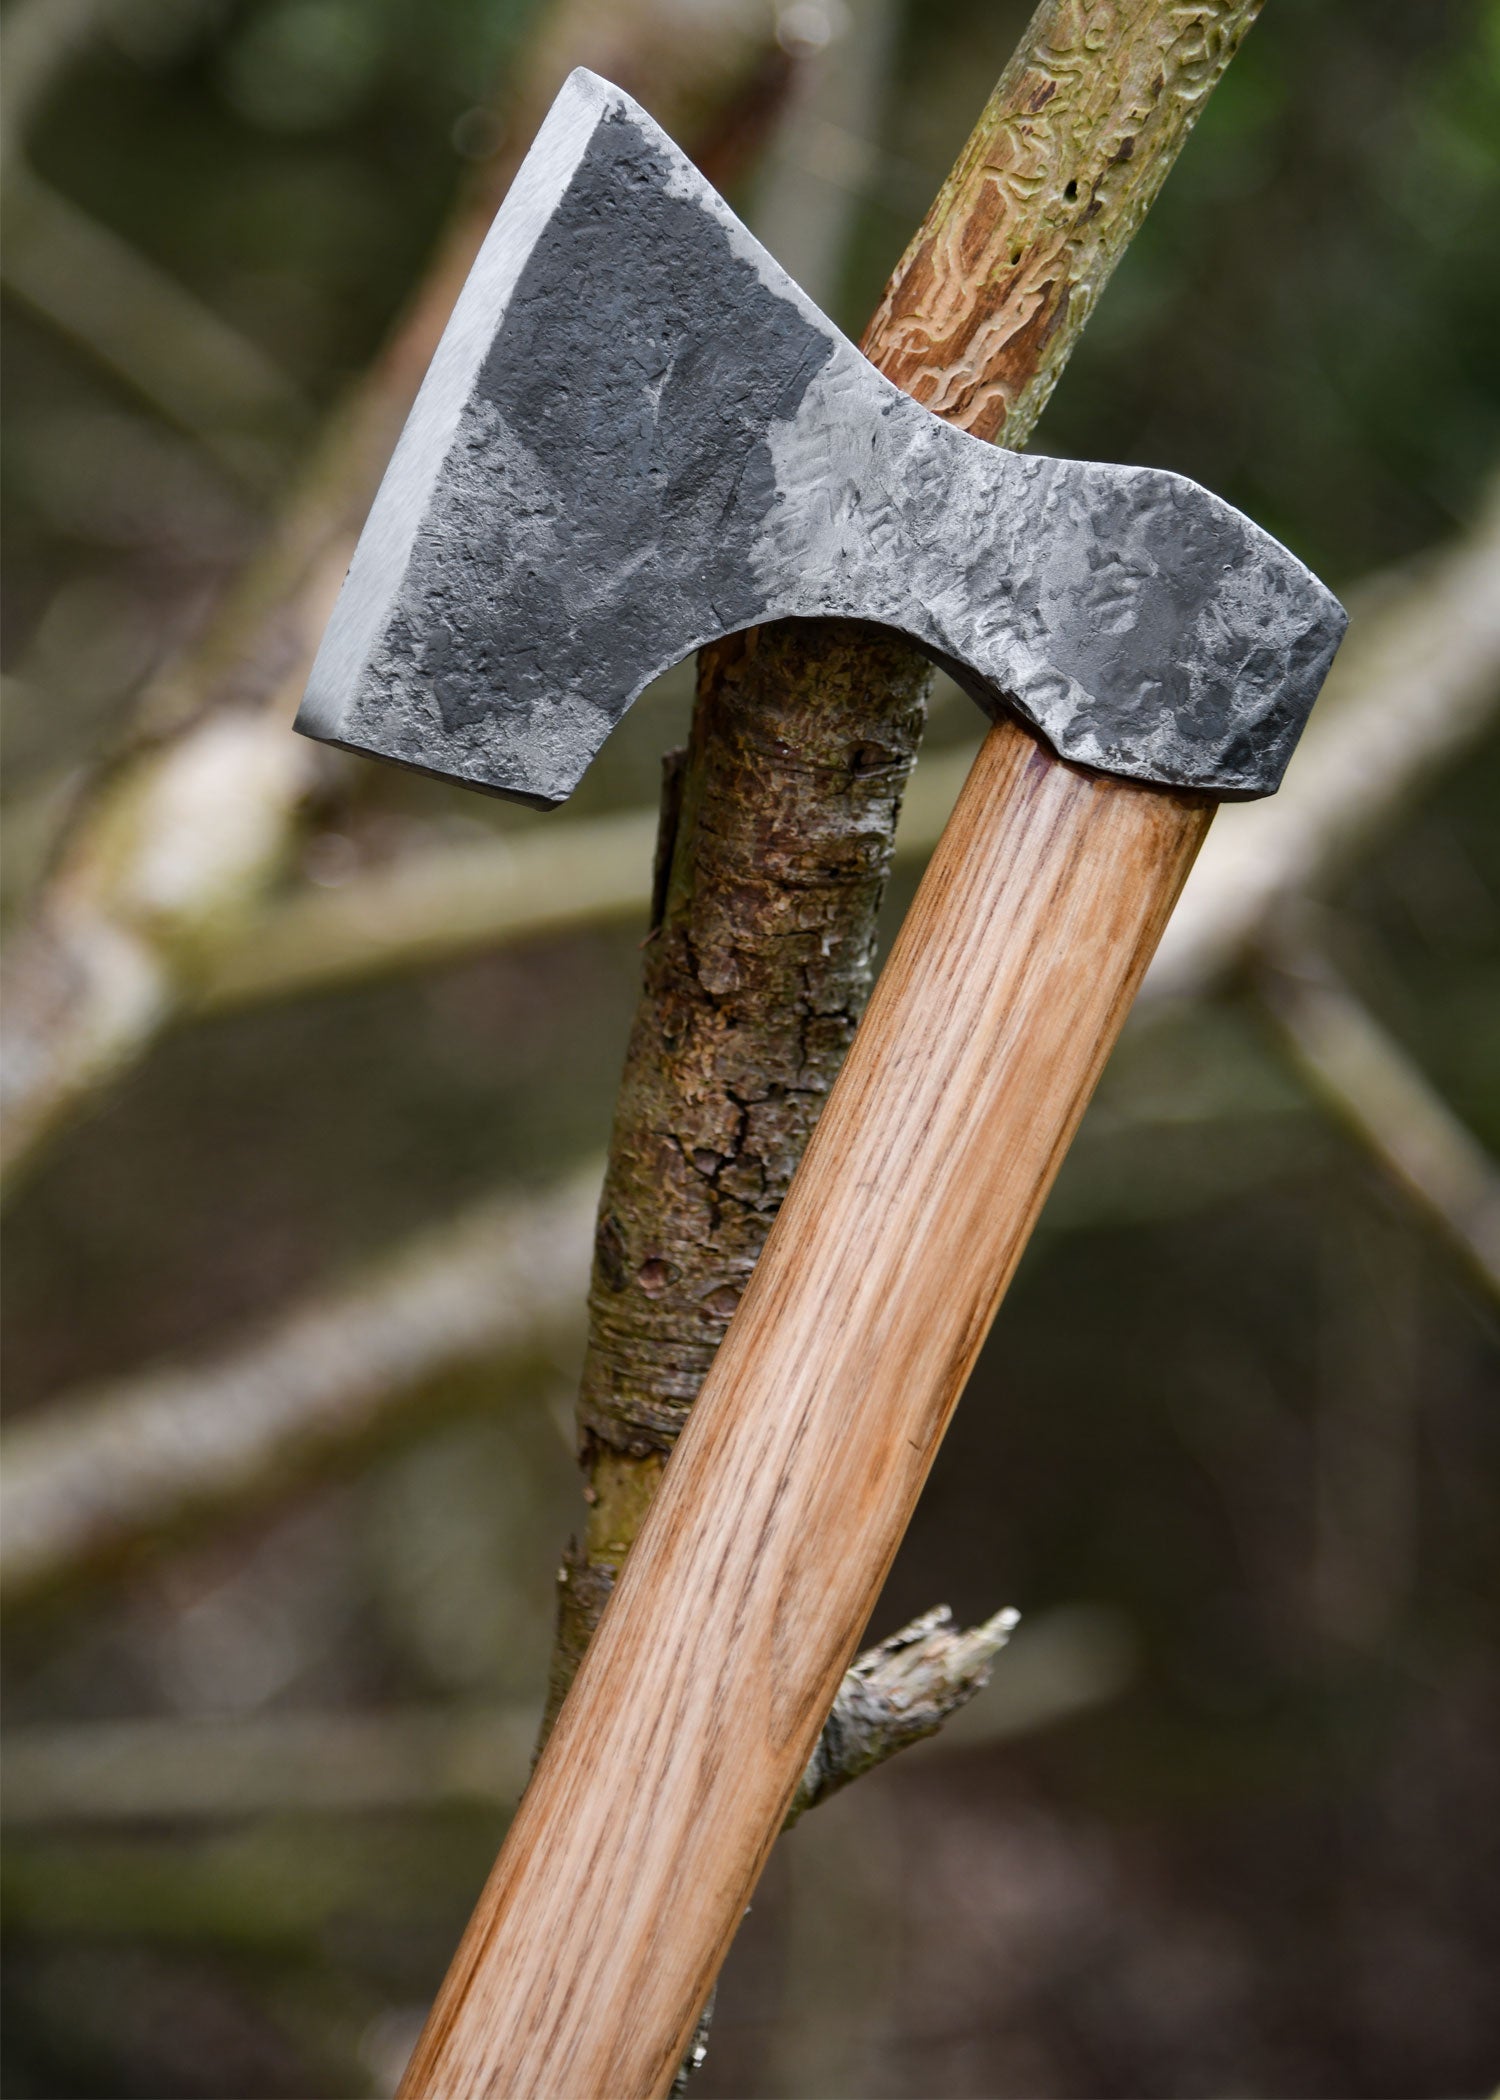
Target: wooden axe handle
(669, 1772)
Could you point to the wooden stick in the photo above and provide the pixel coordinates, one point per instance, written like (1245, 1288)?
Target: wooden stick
(678, 1749)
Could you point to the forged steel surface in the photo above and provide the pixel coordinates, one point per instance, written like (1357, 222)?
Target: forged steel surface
(637, 434)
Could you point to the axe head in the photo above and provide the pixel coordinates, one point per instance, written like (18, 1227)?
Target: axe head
(638, 434)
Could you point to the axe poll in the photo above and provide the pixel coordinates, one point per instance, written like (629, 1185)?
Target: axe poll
(637, 435)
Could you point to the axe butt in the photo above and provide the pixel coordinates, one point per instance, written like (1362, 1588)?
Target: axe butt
(669, 1772)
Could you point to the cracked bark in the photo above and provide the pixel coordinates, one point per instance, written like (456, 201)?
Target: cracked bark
(778, 824)
(754, 980)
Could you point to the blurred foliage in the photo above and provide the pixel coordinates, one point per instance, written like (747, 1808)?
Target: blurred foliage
(1237, 1396)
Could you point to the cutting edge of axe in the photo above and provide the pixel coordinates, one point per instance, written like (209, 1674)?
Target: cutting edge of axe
(637, 435)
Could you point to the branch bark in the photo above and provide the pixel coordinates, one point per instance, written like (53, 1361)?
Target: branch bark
(780, 840)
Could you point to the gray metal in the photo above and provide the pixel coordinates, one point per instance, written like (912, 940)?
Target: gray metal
(637, 434)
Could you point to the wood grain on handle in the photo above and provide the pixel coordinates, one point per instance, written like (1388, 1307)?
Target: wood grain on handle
(667, 1776)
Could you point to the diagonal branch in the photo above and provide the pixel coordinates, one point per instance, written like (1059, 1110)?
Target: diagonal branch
(803, 736)
(1361, 1074)
(176, 353)
(451, 1319)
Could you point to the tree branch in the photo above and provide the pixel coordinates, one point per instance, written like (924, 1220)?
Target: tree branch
(1361, 1074)
(898, 1692)
(38, 41)
(436, 905)
(150, 1456)
(194, 369)
(802, 740)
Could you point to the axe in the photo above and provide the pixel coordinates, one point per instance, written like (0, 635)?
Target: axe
(638, 435)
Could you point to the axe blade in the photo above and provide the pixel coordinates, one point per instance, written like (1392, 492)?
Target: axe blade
(638, 434)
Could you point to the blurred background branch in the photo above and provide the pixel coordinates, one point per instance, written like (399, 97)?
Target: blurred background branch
(1414, 687)
(1364, 1077)
(98, 968)
(94, 1474)
(898, 1694)
(93, 287)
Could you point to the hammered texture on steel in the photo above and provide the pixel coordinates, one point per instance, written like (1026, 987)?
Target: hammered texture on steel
(638, 434)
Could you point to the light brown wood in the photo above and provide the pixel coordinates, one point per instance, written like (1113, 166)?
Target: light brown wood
(668, 1774)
